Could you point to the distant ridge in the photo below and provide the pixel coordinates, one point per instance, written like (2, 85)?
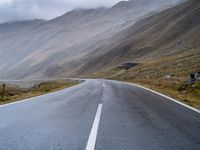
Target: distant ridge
(64, 46)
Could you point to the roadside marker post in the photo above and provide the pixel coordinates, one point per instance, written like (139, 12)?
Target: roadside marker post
(3, 91)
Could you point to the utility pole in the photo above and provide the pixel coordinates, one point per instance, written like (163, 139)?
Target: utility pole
(3, 91)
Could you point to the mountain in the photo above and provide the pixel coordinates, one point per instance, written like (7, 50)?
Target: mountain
(66, 46)
(163, 49)
(170, 33)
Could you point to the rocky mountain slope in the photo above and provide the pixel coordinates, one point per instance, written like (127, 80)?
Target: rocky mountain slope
(166, 50)
(66, 45)
(168, 33)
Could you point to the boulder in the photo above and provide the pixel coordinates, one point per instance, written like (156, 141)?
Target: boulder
(127, 66)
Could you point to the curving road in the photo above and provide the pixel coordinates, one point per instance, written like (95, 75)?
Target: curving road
(100, 115)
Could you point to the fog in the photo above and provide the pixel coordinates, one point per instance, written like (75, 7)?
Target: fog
(12, 10)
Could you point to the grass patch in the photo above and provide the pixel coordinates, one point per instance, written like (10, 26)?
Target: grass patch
(167, 75)
(14, 93)
(187, 94)
(4, 99)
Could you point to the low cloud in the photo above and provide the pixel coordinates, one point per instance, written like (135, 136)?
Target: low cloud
(12, 10)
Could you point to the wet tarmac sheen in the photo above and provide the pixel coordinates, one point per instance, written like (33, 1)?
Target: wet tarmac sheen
(130, 118)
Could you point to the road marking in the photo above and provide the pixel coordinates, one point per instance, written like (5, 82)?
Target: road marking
(93, 134)
(29, 99)
(33, 98)
(20, 101)
(104, 85)
(167, 97)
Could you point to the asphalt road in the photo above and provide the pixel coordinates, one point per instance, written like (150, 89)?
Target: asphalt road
(100, 114)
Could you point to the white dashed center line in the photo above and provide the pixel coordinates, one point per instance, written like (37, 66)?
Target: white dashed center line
(93, 134)
(104, 85)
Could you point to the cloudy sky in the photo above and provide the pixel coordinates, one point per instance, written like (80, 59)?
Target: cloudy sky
(11, 10)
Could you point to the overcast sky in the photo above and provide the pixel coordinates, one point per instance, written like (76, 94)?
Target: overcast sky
(11, 10)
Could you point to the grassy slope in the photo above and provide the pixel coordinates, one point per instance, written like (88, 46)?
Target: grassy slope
(166, 44)
(152, 74)
(171, 32)
(43, 88)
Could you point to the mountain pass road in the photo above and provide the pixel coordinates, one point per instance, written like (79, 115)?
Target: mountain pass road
(99, 115)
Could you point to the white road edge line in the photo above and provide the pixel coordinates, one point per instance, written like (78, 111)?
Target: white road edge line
(21, 101)
(33, 98)
(167, 97)
(93, 134)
